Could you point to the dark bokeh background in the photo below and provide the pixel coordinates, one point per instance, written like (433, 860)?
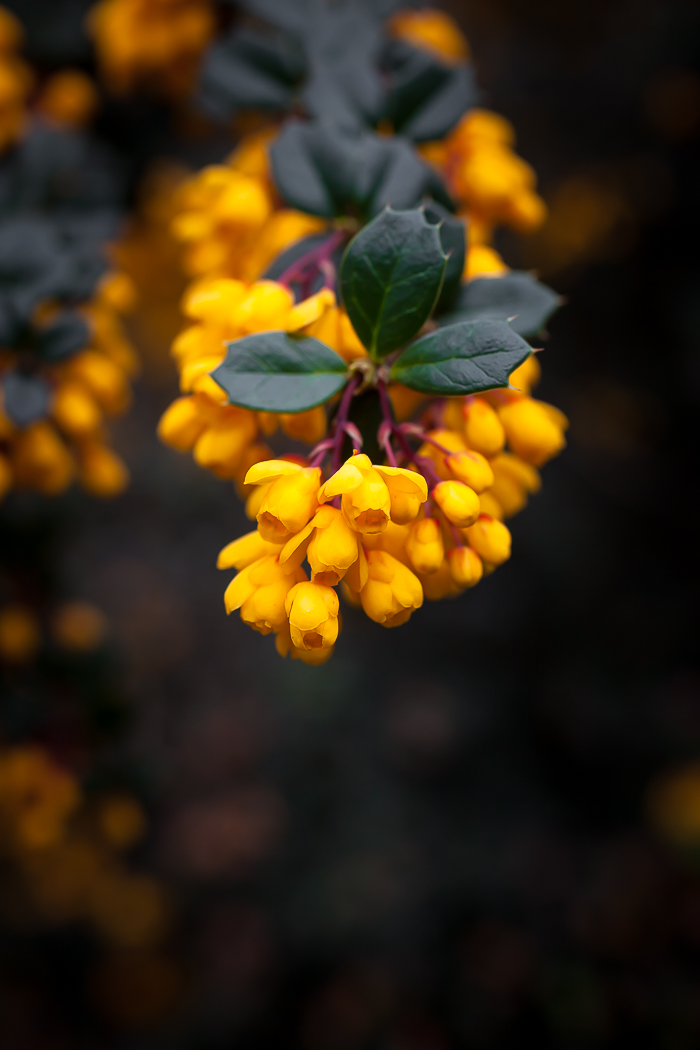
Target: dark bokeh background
(441, 838)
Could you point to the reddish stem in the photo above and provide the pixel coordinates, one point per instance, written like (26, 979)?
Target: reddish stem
(312, 259)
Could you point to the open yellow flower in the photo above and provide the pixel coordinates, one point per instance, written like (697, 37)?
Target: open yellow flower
(290, 500)
(392, 591)
(369, 491)
(260, 591)
(312, 609)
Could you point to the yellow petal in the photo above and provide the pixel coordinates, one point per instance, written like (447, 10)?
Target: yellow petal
(400, 480)
(344, 480)
(294, 550)
(270, 469)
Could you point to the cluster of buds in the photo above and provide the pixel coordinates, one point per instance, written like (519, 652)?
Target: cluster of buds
(52, 414)
(388, 535)
(16, 81)
(153, 42)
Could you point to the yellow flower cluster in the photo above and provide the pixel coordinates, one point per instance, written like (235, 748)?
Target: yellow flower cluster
(16, 81)
(389, 535)
(66, 851)
(153, 42)
(296, 522)
(85, 389)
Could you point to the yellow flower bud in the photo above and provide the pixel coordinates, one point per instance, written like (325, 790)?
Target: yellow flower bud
(309, 310)
(181, 424)
(307, 426)
(532, 432)
(425, 547)
(259, 591)
(312, 657)
(490, 539)
(472, 468)
(368, 491)
(333, 548)
(449, 439)
(392, 540)
(482, 261)
(118, 290)
(221, 447)
(244, 551)
(312, 609)
(254, 501)
(213, 300)
(11, 32)
(79, 627)
(440, 584)
(288, 503)
(514, 479)
(527, 211)
(252, 454)
(465, 566)
(365, 501)
(75, 410)
(19, 634)
(102, 472)
(41, 461)
(69, 97)
(266, 306)
(243, 202)
(392, 591)
(5, 476)
(458, 502)
(483, 429)
(104, 379)
(526, 375)
(433, 31)
(490, 505)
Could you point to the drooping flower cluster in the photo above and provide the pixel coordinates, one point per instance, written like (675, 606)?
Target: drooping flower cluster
(282, 279)
(16, 81)
(54, 407)
(152, 42)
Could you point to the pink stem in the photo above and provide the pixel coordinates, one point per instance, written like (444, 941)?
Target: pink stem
(341, 419)
(313, 258)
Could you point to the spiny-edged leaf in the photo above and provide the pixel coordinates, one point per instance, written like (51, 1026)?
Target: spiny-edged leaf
(517, 295)
(463, 358)
(390, 279)
(327, 171)
(25, 398)
(453, 238)
(273, 372)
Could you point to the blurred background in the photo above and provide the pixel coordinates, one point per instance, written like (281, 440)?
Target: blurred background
(482, 830)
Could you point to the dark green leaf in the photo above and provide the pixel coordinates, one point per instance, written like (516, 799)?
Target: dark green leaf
(391, 277)
(272, 372)
(463, 358)
(425, 97)
(516, 295)
(249, 69)
(453, 238)
(325, 171)
(25, 398)
(445, 107)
